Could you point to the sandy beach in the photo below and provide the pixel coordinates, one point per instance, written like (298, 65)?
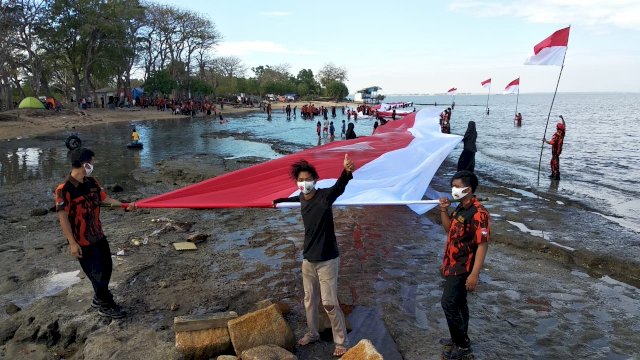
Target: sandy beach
(536, 300)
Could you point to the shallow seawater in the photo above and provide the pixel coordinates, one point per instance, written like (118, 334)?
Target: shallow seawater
(49, 285)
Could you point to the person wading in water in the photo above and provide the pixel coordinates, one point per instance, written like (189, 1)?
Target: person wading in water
(556, 143)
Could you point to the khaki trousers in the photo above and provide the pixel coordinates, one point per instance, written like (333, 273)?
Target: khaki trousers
(320, 281)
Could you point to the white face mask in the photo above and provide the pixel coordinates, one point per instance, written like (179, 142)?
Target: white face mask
(306, 186)
(88, 168)
(458, 193)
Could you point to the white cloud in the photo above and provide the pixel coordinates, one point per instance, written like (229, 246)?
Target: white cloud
(275, 13)
(242, 48)
(595, 13)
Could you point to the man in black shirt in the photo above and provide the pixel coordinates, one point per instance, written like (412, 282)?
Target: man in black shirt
(321, 257)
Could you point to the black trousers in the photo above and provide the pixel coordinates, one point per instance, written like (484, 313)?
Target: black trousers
(96, 264)
(454, 304)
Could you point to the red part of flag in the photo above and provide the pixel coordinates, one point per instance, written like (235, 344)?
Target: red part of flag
(486, 82)
(452, 90)
(558, 38)
(513, 83)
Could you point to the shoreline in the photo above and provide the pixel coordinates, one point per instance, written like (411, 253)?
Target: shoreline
(35, 122)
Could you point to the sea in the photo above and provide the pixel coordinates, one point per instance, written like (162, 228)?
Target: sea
(600, 161)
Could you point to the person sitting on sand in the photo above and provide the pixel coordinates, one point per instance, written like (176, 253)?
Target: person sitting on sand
(78, 201)
(468, 231)
(321, 259)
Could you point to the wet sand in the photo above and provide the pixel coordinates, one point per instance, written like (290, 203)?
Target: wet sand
(536, 300)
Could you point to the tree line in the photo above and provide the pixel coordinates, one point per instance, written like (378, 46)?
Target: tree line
(71, 48)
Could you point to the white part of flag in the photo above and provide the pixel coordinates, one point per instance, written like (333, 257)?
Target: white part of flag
(511, 89)
(552, 55)
(401, 176)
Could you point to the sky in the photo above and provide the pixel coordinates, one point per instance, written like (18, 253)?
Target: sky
(420, 47)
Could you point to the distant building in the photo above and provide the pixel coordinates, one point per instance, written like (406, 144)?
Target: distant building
(369, 95)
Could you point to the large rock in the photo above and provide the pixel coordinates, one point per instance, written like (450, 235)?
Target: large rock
(364, 350)
(203, 344)
(263, 327)
(267, 352)
(203, 336)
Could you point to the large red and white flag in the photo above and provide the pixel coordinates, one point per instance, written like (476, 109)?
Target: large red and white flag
(486, 83)
(551, 50)
(394, 166)
(452, 90)
(512, 86)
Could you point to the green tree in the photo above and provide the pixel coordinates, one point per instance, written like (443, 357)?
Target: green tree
(337, 90)
(330, 72)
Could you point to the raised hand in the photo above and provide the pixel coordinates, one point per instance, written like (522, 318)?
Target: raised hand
(348, 164)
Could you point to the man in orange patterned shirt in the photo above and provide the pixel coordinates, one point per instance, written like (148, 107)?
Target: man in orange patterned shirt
(78, 201)
(468, 232)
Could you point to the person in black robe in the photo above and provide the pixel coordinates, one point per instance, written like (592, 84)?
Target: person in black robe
(467, 160)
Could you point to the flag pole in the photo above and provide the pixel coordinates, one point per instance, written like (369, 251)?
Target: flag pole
(517, 98)
(489, 92)
(544, 136)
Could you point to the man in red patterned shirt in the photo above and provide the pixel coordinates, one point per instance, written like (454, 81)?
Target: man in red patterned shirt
(556, 143)
(468, 232)
(78, 201)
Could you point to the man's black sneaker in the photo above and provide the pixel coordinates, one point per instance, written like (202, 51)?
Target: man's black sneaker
(114, 312)
(458, 353)
(97, 304)
(446, 343)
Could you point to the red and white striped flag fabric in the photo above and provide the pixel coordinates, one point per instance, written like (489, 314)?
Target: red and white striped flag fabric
(394, 166)
(486, 83)
(452, 90)
(551, 50)
(512, 86)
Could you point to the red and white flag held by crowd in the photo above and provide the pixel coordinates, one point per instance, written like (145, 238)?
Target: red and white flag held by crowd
(512, 86)
(452, 90)
(486, 83)
(551, 50)
(394, 166)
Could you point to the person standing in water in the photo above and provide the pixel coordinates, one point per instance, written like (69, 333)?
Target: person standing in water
(467, 160)
(556, 143)
(468, 230)
(321, 258)
(518, 120)
(332, 131)
(351, 134)
(318, 127)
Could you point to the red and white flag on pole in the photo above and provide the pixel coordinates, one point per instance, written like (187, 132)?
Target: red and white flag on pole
(452, 90)
(551, 50)
(486, 83)
(512, 86)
